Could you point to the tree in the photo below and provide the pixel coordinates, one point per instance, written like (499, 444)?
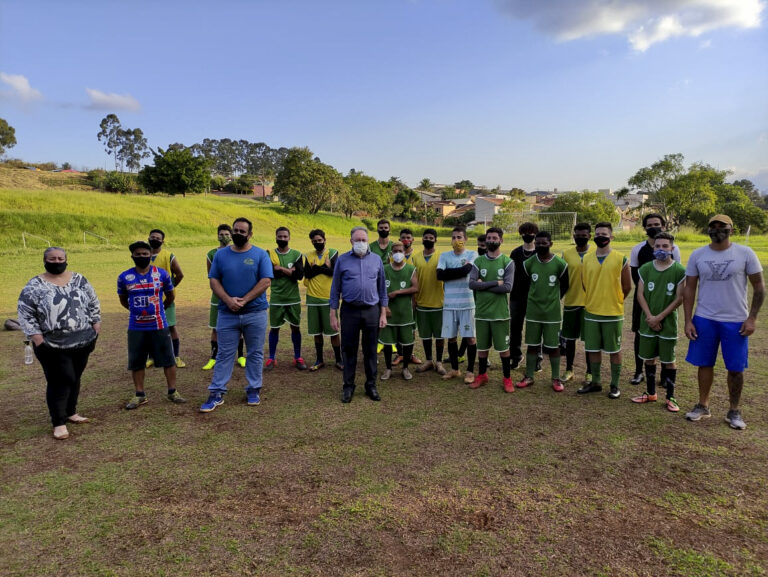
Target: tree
(464, 185)
(7, 136)
(66, 166)
(305, 184)
(176, 171)
(514, 204)
(133, 148)
(654, 181)
(425, 185)
(373, 195)
(110, 135)
(589, 206)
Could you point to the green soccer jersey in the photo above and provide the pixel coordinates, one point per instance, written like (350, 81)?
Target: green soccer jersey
(284, 290)
(383, 254)
(400, 306)
(209, 256)
(491, 306)
(659, 290)
(544, 292)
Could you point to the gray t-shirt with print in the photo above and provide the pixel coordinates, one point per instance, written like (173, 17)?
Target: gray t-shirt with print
(723, 281)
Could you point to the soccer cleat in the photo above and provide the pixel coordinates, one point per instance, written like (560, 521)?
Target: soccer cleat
(270, 364)
(479, 381)
(524, 382)
(397, 361)
(317, 366)
(209, 365)
(538, 365)
(568, 376)
(136, 401)
(179, 363)
(461, 359)
(589, 388)
(175, 397)
(450, 375)
(557, 385)
(253, 397)
(698, 412)
(386, 375)
(214, 400)
(614, 393)
(241, 361)
(672, 406)
(407, 374)
(149, 363)
(637, 379)
(300, 364)
(469, 378)
(587, 379)
(733, 418)
(426, 366)
(645, 398)
(440, 369)
(509, 386)
(379, 348)
(415, 360)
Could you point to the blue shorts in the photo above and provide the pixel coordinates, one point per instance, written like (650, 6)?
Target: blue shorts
(703, 351)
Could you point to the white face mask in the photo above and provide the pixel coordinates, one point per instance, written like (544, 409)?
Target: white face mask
(360, 247)
(398, 257)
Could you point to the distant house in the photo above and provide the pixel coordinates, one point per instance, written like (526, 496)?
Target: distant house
(443, 207)
(486, 207)
(262, 190)
(462, 210)
(426, 196)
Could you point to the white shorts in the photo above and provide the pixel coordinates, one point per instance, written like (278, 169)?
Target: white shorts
(458, 323)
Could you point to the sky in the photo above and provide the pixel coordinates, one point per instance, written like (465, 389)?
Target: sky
(567, 94)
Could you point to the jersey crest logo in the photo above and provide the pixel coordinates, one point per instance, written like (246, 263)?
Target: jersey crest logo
(483, 272)
(651, 286)
(534, 277)
(670, 288)
(290, 264)
(387, 283)
(130, 277)
(402, 284)
(500, 272)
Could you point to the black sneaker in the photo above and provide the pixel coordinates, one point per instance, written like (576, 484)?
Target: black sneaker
(615, 393)
(590, 388)
(538, 365)
(637, 379)
(514, 364)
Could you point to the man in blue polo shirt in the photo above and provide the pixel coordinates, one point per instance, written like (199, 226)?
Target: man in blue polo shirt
(358, 280)
(240, 275)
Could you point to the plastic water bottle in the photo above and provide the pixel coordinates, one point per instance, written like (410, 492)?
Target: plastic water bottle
(28, 354)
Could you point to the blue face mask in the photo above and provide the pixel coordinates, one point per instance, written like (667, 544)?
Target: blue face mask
(661, 254)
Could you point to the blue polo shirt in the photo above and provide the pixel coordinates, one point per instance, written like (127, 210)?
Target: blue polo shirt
(238, 273)
(359, 281)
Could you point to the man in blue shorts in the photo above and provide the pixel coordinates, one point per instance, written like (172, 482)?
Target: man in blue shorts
(720, 271)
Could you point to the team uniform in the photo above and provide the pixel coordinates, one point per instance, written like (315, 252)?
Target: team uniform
(400, 323)
(318, 278)
(164, 259)
(604, 301)
(148, 331)
(660, 290)
(429, 298)
(458, 299)
(574, 299)
(284, 298)
(492, 308)
(213, 314)
(543, 317)
(384, 254)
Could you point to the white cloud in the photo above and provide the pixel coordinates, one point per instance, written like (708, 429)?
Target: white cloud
(20, 88)
(642, 22)
(111, 101)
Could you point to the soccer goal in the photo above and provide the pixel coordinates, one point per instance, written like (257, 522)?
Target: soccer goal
(558, 224)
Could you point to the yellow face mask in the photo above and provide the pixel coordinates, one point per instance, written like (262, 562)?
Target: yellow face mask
(457, 244)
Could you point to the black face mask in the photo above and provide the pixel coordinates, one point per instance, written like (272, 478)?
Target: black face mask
(580, 241)
(141, 262)
(653, 231)
(428, 244)
(383, 233)
(282, 243)
(492, 246)
(154, 243)
(542, 250)
(602, 241)
(55, 267)
(481, 251)
(718, 235)
(319, 246)
(529, 238)
(239, 240)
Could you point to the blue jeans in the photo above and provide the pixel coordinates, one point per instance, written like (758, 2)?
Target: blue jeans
(229, 326)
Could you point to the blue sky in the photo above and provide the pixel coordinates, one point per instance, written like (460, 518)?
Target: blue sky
(572, 94)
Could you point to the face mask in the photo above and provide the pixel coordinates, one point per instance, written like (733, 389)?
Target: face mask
(542, 250)
(529, 238)
(398, 257)
(718, 235)
(225, 240)
(360, 247)
(154, 243)
(407, 243)
(653, 231)
(457, 244)
(383, 233)
(141, 262)
(481, 251)
(580, 241)
(55, 267)
(282, 243)
(428, 244)
(239, 239)
(319, 246)
(492, 246)
(602, 241)
(661, 254)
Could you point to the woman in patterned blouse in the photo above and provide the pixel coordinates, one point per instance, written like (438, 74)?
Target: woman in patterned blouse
(59, 312)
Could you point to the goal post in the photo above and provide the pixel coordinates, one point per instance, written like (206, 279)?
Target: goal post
(558, 224)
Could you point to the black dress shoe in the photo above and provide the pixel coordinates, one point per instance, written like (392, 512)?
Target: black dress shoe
(372, 393)
(590, 388)
(346, 395)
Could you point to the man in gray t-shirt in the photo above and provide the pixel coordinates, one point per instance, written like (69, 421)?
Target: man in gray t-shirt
(722, 319)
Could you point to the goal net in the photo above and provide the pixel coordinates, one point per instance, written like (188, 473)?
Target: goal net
(558, 224)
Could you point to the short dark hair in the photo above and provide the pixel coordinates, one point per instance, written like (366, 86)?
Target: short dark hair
(480, 238)
(406, 231)
(544, 234)
(245, 220)
(528, 228)
(607, 225)
(157, 230)
(431, 231)
(382, 221)
(583, 226)
(461, 229)
(315, 231)
(282, 228)
(497, 230)
(654, 215)
(224, 227)
(139, 244)
(664, 236)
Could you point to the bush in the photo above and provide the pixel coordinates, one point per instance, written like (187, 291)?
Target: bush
(218, 182)
(121, 182)
(241, 185)
(95, 178)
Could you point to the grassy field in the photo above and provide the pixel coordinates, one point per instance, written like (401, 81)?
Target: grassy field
(434, 480)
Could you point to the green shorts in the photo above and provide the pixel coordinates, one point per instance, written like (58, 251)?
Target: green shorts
(573, 323)
(396, 335)
(279, 314)
(547, 334)
(319, 320)
(652, 347)
(603, 335)
(213, 315)
(170, 315)
(429, 322)
(494, 333)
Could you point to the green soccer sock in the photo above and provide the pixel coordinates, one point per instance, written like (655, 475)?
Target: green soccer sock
(554, 363)
(530, 364)
(615, 374)
(594, 369)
